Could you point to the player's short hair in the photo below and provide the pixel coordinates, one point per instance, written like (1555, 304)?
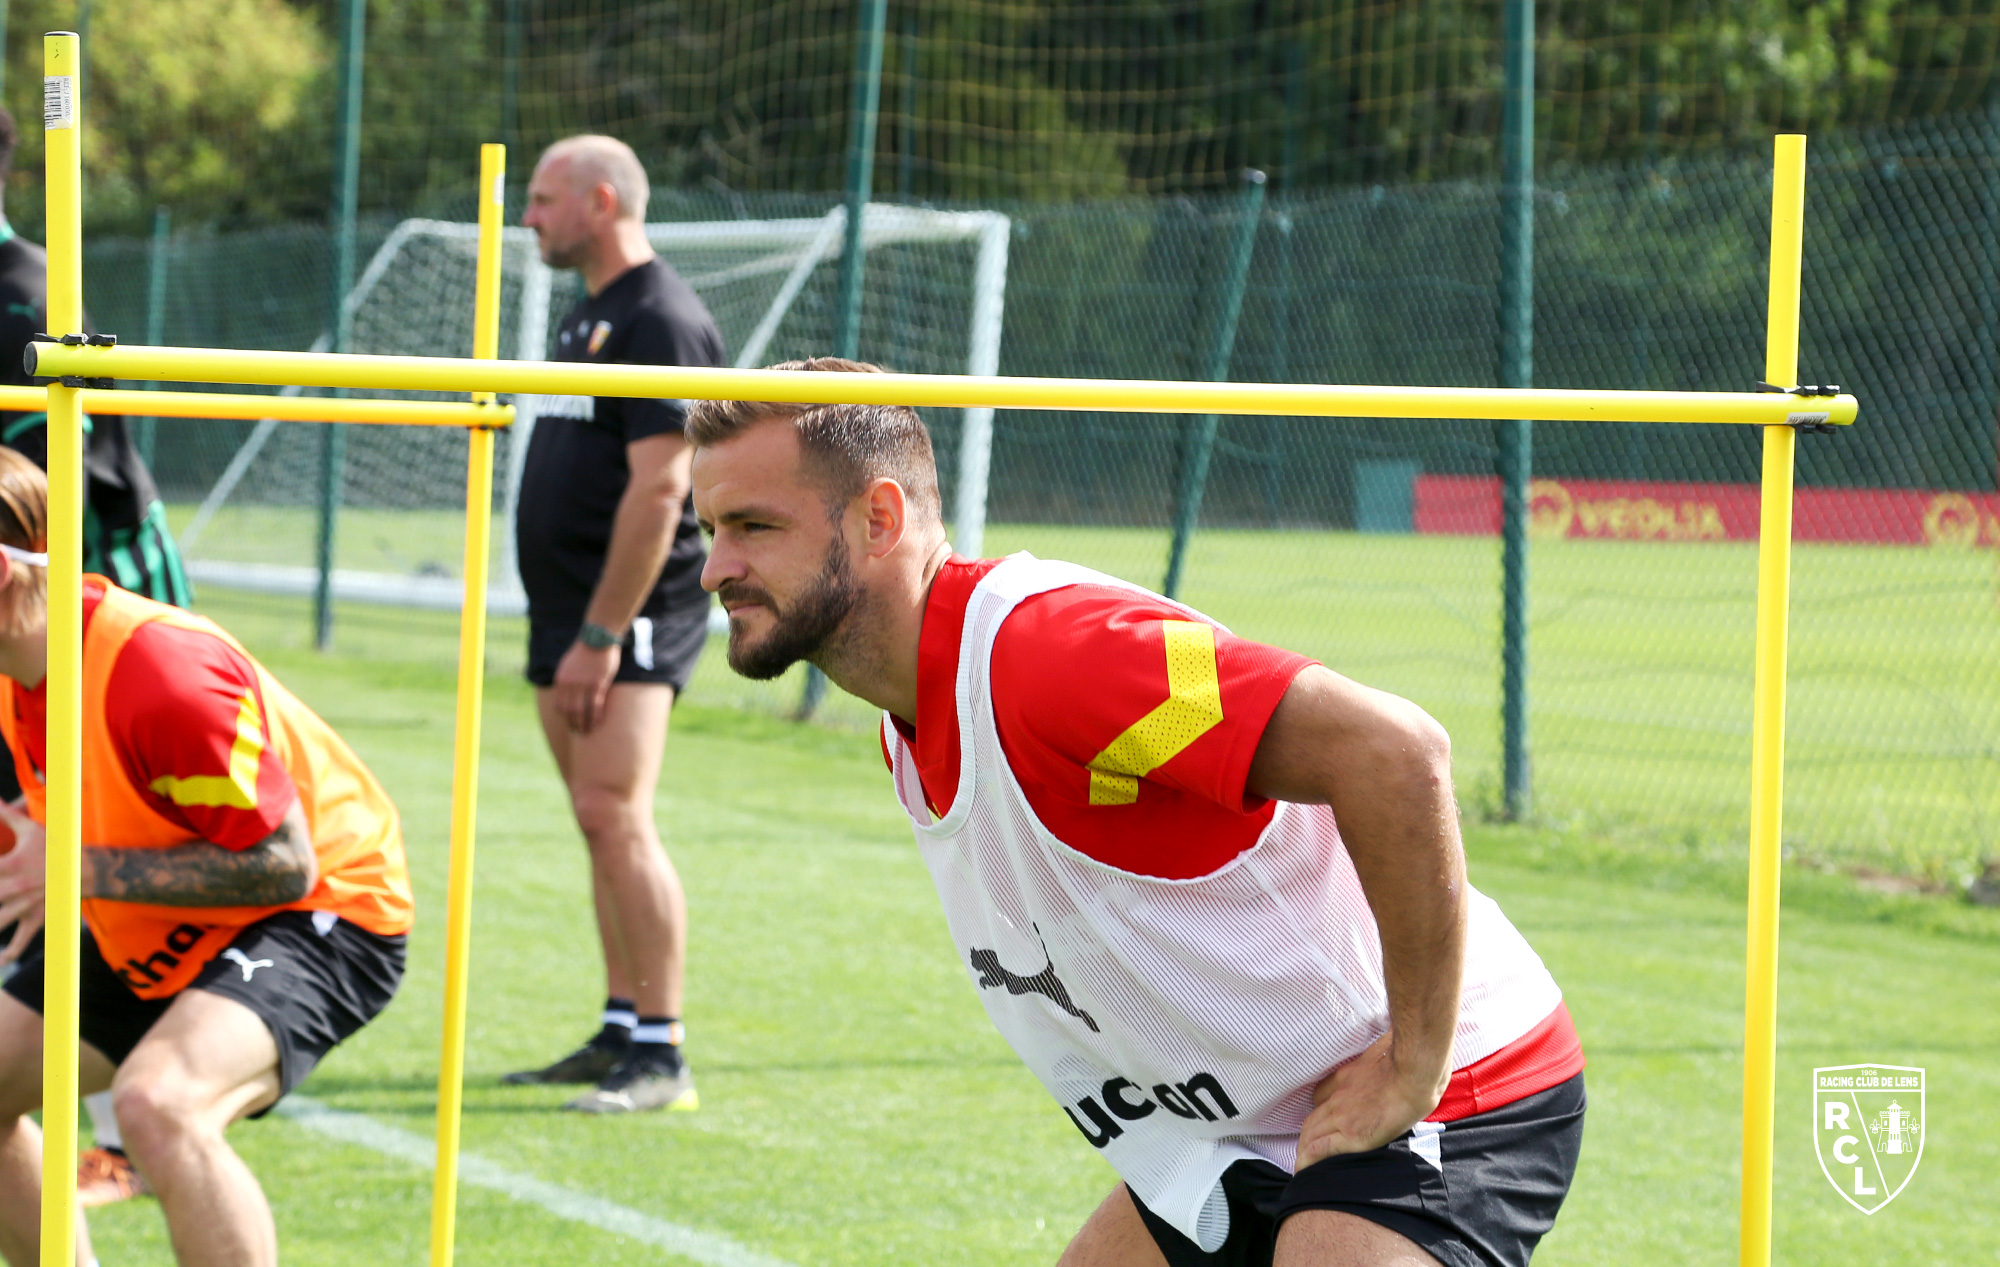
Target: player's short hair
(24, 524)
(845, 446)
(606, 160)
(10, 136)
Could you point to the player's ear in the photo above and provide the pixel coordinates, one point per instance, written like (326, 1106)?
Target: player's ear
(888, 511)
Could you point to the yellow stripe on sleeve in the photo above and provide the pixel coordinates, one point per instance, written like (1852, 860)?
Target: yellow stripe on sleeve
(238, 788)
(1192, 708)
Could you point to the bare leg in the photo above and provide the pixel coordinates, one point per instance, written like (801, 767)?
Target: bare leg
(206, 1063)
(611, 774)
(1329, 1238)
(618, 974)
(21, 1139)
(1113, 1236)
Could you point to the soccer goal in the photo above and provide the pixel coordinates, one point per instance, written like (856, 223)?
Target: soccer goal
(934, 292)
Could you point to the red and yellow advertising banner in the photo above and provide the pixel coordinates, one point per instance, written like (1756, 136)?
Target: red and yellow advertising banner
(1646, 510)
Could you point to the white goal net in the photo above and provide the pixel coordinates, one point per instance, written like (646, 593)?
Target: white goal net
(934, 284)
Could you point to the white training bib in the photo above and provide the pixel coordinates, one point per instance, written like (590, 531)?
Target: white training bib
(1182, 1024)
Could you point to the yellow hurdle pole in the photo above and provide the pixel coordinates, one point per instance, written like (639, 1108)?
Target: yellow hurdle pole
(471, 684)
(1767, 741)
(404, 413)
(61, 107)
(555, 378)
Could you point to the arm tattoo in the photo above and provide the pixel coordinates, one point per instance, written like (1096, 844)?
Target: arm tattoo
(277, 870)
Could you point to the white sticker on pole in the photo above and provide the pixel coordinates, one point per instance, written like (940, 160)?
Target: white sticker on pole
(58, 102)
(500, 189)
(1806, 420)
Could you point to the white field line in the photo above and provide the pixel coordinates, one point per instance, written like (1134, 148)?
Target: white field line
(356, 1128)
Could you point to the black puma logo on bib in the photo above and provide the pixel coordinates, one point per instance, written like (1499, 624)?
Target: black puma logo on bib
(1045, 983)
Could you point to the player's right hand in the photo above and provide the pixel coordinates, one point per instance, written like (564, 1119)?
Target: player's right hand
(1365, 1103)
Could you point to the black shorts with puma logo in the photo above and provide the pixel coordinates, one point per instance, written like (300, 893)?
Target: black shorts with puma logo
(1478, 1192)
(312, 979)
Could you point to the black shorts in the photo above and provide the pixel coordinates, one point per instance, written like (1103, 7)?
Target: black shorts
(311, 988)
(1492, 1195)
(659, 649)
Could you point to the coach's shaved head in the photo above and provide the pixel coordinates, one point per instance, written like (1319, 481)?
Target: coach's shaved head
(587, 206)
(604, 160)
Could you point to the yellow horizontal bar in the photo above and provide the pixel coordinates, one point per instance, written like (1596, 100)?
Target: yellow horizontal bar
(408, 413)
(431, 373)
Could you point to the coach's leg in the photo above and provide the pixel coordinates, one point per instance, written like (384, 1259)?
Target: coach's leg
(617, 974)
(611, 773)
(208, 1062)
(21, 1139)
(1322, 1238)
(1113, 1236)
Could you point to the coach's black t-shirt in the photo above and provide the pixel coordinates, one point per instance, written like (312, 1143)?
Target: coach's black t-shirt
(576, 467)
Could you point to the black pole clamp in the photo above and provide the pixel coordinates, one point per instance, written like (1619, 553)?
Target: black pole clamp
(71, 341)
(1814, 423)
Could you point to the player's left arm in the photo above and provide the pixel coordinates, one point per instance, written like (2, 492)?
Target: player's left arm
(1384, 766)
(276, 871)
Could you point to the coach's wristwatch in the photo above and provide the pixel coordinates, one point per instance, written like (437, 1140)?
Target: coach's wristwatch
(598, 638)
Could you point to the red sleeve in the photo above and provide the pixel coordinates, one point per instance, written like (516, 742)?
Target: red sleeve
(1124, 690)
(187, 716)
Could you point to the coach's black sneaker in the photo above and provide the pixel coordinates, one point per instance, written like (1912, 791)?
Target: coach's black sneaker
(649, 1080)
(592, 1062)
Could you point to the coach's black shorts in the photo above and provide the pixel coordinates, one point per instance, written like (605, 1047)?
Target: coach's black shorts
(313, 981)
(1492, 1195)
(658, 649)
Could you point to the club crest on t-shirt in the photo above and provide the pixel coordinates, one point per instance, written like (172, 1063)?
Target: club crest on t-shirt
(598, 334)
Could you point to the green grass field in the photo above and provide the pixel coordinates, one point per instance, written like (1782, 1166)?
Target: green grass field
(1640, 667)
(857, 1107)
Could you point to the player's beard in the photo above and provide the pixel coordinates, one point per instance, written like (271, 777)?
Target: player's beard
(800, 628)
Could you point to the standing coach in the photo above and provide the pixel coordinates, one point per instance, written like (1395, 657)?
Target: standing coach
(611, 559)
(1211, 892)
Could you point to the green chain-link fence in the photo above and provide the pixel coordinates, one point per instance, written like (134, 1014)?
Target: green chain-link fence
(1111, 137)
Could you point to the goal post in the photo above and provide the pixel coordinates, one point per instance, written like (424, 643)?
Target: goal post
(768, 283)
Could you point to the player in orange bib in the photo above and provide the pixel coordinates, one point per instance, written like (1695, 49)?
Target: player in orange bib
(1210, 892)
(246, 898)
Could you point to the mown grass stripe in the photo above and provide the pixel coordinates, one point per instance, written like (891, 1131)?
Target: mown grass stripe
(577, 1207)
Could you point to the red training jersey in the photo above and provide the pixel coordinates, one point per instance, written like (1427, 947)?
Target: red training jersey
(186, 716)
(1074, 670)
(1078, 669)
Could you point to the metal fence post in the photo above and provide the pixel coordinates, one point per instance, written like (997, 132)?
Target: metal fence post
(1198, 433)
(860, 181)
(860, 173)
(510, 83)
(1988, 387)
(1517, 369)
(346, 196)
(144, 430)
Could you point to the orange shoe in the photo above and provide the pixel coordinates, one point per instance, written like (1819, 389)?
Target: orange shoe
(104, 1177)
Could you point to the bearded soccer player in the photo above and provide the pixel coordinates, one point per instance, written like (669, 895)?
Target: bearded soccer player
(1211, 892)
(245, 895)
